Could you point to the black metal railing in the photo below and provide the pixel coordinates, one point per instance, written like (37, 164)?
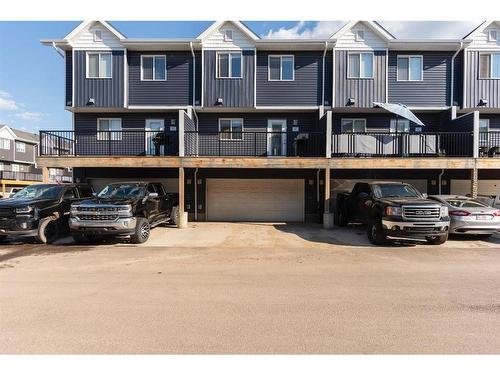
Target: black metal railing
(254, 144)
(386, 144)
(20, 176)
(134, 142)
(489, 144)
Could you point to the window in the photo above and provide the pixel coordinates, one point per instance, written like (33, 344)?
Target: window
(360, 36)
(360, 65)
(484, 125)
(109, 129)
(493, 35)
(97, 36)
(98, 65)
(231, 128)
(5, 143)
(228, 35)
(353, 125)
(20, 147)
(400, 126)
(229, 65)
(410, 68)
(153, 68)
(489, 65)
(15, 167)
(281, 68)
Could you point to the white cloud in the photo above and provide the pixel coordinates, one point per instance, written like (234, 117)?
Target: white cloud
(7, 103)
(321, 29)
(30, 116)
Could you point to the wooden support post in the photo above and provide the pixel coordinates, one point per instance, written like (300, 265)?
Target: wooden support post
(474, 182)
(327, 216)
(3, 190)
(45, 175)
(182, 215)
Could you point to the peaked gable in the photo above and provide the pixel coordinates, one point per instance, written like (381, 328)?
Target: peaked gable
(213, 37)
(83, 36)
(480, 36)
(374, 36)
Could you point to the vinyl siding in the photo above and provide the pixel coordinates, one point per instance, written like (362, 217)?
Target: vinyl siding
(477, 89)
(433, 90)
(494, 121)
(235, 92)
(304, 90)
(177, 89)
(364, 90)
(107, 92)
(28, 155)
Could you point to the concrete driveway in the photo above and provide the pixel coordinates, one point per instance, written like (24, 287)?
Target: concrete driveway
(250, 288)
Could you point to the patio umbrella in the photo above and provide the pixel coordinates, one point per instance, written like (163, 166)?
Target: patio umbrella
(400, 110)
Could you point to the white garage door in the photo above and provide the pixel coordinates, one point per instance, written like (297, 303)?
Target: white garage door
(255, 200)
(462, 187)
(171, 185)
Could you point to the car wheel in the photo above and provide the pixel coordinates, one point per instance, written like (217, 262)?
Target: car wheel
(48, 230)
(376, 234)
(341, 220)
(3, 238)
(437, 240)
(142, 231)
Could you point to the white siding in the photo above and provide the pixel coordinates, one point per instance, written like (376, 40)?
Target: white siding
(372, 40)
(480, 41)
(85, 38)
(216, 39)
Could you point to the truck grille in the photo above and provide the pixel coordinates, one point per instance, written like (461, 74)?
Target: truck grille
(96, 209)
(98, 217)
(6, 212)
(421, 212)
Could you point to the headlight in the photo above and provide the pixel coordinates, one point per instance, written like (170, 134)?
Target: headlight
(24, 210)
(393, 211)
(444, 211)
(73, 209)
(124, 209)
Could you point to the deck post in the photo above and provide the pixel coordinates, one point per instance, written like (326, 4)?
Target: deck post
(475, 136)
(474, 182)
(327, 216)
(45, 175)
(183, 216)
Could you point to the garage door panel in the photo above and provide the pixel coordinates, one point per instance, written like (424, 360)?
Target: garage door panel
(255, 200)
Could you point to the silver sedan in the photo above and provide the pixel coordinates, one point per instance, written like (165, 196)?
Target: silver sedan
(470, 216)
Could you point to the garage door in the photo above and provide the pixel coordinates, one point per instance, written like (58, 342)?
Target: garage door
(463, 187)
(255, 200)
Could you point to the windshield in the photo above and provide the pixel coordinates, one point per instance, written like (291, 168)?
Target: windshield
(465, 203)
(39, 192)
(395, 190)
(122, 191)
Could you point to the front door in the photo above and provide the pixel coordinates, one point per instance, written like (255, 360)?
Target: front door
(155, 137)
(276, 138)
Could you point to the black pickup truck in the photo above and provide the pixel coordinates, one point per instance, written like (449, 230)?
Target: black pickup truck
(123, 209)
(393, 210)
(40, 211)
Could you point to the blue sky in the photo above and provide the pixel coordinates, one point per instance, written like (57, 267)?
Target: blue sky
(32, 75)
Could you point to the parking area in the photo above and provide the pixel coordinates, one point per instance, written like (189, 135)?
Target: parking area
(250, 288)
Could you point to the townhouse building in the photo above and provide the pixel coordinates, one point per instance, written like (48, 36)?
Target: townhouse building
(252, 129)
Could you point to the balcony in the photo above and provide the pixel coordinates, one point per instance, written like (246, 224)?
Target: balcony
(385, 144)
(489, 144)
(20, 176)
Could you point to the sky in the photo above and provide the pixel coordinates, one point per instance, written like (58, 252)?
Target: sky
(32, 75)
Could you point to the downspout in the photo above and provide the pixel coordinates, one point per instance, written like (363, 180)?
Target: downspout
(453, 72)
(58, 50)
(323, 80)
(196, 194)
(439, 180)
(194, 72)
(317, 187)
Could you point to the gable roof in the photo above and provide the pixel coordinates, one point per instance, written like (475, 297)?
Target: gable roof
(20, 134)
(478, 29)
(240, 25)
(373, 25)
(84, 24)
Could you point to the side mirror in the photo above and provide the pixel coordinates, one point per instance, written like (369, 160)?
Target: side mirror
(94, 194)
(153, 195)
(425, 195)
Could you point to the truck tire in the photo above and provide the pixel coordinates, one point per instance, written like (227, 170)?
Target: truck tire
(340, 218)
(376, 234)
(174, 215)
(437, 240)
(3, 238)
(48, 230)
(142, 230)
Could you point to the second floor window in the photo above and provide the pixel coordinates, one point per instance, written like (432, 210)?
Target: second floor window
(410, 68)
(399, 126)
(353, 125)
(109, 129)
(231, 128)
(360, 65)
(489, 65)
(153, 68)
(281, 68)
(20, 147)
(4, 143)
(98, 65)
(229, 65)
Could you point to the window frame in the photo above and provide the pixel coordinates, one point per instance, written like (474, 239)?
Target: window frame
(409, 75)
(18, 144)
(491, 54)
(231, 119)
(487, 120)
(490, 39)
(99, 65)
(396, 122)
(224, 35)
(230, 70)
(352, 119)
(154, 68)
(281, 68)
(97, 39)
(5, 141)
(357, 37)
(360, 53)
(100, 132)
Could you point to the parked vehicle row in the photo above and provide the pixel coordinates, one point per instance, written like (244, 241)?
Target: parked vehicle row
(47, 211)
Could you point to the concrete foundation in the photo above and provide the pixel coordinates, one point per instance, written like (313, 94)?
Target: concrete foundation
(328, 221)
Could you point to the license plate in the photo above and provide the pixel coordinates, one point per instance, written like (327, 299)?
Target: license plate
(484, 217)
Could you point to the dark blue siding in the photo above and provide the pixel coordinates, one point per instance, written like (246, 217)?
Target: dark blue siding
(304, 90)
(433, 90)
(177, 89)
(235, 92)
(494, 120)
(477, 88)
(69, 79)
(107, 92)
